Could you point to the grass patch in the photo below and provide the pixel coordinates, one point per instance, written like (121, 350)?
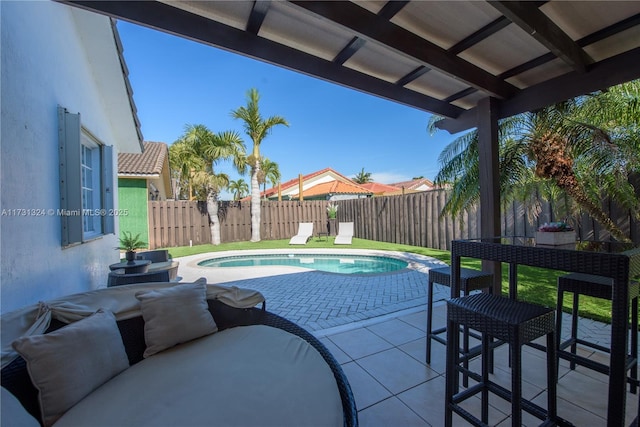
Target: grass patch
(536, 285)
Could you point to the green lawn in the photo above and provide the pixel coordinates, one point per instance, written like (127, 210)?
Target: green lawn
(535, 284)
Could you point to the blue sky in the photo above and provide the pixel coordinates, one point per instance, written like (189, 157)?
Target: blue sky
(178, 82)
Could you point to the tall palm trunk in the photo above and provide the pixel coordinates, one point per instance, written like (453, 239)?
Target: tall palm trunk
(212, 210)
(255, 203)
(552, 161)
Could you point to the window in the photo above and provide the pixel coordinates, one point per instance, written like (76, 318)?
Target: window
(86, 178)
(91, 197)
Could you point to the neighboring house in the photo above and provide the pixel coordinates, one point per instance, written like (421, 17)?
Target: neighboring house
(325, 184)
(421, 184)
(382, 189)
(142, 177)
(66, 110)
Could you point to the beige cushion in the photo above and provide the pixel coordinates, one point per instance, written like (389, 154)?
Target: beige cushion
(244, 376)
(175, 315)
(67, 364)
(13, 414)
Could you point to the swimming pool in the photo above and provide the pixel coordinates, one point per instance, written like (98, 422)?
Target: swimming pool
(343, 264)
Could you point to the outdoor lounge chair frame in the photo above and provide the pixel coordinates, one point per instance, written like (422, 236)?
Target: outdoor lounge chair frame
(305, 231)
(345, 234)
(15, 377)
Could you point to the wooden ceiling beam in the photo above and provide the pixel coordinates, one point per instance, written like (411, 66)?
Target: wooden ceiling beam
(413, 75)
(461, 94)
(530, 18)
(478, 36)
(602, 34)
(391, 8)
(172, 20)
(609, 72)
(374, 27)
(258, 13)
(349, 50)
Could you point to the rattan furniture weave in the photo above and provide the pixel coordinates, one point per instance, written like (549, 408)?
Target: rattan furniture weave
(160, 260)
(607, 262)
(511, 321)
(597, 287)
(470, 280)
(15, 377)
(119, 277)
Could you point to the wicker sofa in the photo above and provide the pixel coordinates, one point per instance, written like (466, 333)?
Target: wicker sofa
(239, 375)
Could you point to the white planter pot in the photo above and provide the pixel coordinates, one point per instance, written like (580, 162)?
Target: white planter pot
(555, 238)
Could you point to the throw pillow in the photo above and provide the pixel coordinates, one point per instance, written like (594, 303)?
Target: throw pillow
(67, 364)
(175, 315)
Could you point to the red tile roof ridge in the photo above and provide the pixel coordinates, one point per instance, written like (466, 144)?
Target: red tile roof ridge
(293, 182)
(413, 183)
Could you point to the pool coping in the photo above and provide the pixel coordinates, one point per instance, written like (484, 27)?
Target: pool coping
(190, 270)
(308, 261)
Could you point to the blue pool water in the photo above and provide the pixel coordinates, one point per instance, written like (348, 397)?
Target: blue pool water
(344, 264)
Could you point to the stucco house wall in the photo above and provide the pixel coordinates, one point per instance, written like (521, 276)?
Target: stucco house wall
(53, 55)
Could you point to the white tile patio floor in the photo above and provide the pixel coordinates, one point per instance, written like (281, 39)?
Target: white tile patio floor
(376, 328)
(385, 364)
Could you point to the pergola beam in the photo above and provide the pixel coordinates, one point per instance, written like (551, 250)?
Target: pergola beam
(258, 13)
(390, 9)
(609, 72)
(478, 36)
(374, 27)
(349, 50)
(413, 75)
(185, 24)
(489, 179)
(530, 18)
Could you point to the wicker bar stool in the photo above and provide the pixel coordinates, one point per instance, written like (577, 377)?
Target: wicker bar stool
(470, 280)
(516, 323)
(597, 287)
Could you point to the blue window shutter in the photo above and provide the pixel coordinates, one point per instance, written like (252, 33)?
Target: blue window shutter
(108, 190)
(70, 176)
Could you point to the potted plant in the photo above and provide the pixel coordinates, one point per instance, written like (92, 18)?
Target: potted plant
(129, 243)
(332, 212)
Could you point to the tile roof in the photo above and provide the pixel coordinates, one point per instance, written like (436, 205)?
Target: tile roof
(127, 81)
(149, 162)
(334, 187)
(377, 188)
(295, 181)
(414, 183)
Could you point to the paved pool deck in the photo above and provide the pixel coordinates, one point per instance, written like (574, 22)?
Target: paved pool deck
(317, 300)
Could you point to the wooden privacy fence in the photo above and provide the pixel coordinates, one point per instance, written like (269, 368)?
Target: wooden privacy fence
(412, 219)
(184, 223)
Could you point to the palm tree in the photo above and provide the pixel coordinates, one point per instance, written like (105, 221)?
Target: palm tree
(212, 148)
(183, 162)
(363, 177)
(269, 172)
(578, 147)
(257, 129)
(239, 187)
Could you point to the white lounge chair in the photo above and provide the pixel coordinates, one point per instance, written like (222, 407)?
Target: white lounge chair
(345, 234)
(305, 231)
